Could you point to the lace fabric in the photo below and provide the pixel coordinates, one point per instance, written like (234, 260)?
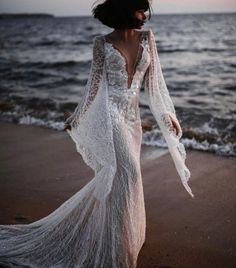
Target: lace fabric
(104, 223)
(162, 108)
(160, 103)
(124, 100)
(93, 82)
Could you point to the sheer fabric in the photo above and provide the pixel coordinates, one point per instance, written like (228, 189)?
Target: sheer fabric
(162, 108)
(160, 105)
(104, 223)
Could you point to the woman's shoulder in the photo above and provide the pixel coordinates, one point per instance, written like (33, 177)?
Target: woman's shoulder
(98, 40)
(98, 37)
(147, 31)
(102, 38)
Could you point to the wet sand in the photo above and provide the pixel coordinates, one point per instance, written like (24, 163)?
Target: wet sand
(40, 169)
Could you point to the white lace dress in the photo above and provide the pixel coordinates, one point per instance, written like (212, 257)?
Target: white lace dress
(103, 225)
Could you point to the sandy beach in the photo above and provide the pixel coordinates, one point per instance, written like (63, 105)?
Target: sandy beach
(40, 169)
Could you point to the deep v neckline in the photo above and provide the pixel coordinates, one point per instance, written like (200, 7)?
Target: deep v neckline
(141, 39)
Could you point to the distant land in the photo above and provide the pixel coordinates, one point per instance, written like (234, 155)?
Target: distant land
(46, 15)
(25, 15)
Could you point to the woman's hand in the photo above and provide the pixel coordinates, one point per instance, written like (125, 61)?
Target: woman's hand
(67, 114)
(66, 125)
(175, 127)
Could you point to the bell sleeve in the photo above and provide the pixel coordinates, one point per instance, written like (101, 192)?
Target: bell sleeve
(163, 109)
(93, 83)
(91, 126)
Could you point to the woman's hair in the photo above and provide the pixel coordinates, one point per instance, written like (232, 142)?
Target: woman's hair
(119, 14)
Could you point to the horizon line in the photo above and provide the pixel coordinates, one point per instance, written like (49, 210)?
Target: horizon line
(90, 15)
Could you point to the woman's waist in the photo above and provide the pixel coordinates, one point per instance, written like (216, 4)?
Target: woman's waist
(125, 105)
(123, 92)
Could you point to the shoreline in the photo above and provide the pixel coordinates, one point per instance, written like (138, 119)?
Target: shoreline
(40, 169)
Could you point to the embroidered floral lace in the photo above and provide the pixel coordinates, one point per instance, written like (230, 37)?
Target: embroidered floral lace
(103, 225)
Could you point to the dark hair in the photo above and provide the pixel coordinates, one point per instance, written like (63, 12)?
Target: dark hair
(119, 14)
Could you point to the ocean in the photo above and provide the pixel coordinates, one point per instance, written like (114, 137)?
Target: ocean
(44, 65)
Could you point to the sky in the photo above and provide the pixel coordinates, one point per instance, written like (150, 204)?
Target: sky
(83, 7)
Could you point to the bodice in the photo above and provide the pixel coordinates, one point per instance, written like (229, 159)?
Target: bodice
(106, 108)
(124, 100)
(117, 76)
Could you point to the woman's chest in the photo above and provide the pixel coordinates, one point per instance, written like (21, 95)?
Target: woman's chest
(117, 69)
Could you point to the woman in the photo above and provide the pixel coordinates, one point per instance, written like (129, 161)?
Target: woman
(103, 225)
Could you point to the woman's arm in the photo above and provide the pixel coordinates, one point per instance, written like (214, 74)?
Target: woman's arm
(154, 81)
(92, 86)
(163, 111)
